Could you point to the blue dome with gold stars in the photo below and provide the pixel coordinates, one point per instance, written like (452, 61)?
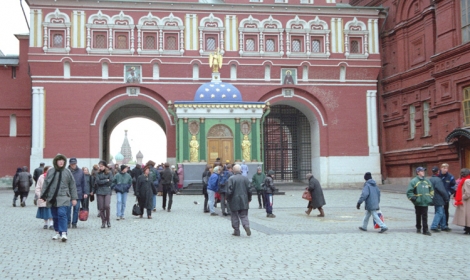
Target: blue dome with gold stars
(218, 93)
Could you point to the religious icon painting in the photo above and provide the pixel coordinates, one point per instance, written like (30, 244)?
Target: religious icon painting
(132, 74)
(288, 76)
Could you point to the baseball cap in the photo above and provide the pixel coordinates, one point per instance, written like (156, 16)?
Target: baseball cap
(420, 169)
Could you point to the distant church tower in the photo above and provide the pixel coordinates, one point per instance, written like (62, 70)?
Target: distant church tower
(139, 157)
(126, 149)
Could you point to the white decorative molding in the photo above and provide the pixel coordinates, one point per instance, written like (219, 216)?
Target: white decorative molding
(288, 92)
(211, 24)
(133, 91)
(57, 21)
(306, 100)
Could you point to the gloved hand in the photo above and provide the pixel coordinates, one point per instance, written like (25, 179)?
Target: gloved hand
(413, 199)
(358, 206)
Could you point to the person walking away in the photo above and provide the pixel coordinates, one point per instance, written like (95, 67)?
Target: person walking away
(256, 181)
(318, 200)
(37, 172)
(88, 185)
(155, 177)
(24, 181)
(16, 191)
(144, 192)
(441, 197)
(102, 189)
(421, 193)
(239, 197)
(43, 212)
(450, 185)
(80, 184)
(135, 173)
(59, 189)
(225, 175)
(94, 173)
(212, 188)
(462, 202)
(122, 182)
(371, 195)
(269, 192)
(244, 168)
(205, 181)
(167, 182)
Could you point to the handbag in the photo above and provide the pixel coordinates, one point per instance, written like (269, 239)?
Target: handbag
(306, 195)
(136, 209)
(92, 197)
(381, 216)
(83, 213)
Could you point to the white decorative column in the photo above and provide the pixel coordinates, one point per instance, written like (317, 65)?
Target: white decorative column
(372, 121)
(37, 136)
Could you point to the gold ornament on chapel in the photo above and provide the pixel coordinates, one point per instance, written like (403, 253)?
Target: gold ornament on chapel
(215, 61)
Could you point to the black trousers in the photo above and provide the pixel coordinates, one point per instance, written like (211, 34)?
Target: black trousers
(446, 210)
(206, 200)
(260, 194)
(167, 191)
(421, 216)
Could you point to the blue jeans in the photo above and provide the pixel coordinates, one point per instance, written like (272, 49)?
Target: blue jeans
(59, 216)
(211, 195)
(439, 218)
(76, 209)
(154, 201)
(268, 202)
(121, 204)
(376, 218)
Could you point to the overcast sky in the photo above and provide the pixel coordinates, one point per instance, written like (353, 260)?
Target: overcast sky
(13, 22)
(143, 135)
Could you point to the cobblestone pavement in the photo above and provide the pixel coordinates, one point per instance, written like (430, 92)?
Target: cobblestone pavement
(188, 244)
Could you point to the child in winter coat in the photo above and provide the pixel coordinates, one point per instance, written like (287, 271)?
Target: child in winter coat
(371, 195)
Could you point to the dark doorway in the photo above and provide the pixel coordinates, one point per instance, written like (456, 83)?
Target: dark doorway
(287, 143)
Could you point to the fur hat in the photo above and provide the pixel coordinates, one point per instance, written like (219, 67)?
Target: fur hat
(103, 162)
(367, 176)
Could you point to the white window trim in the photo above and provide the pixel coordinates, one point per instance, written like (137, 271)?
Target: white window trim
(49, 24)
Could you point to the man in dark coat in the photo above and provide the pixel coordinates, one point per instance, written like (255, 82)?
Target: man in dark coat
(23, 182)
(318, 200)
(224, 176)
(144, 193)
(239, 197)
(38, 172)
(167, 182)
(79, 178)
(136, 172)
(441, 197)
(15, 187)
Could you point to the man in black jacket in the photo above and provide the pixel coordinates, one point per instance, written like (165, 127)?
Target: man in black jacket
(239, 197)
(38, 172)
(441, 197)
(23, 182)
(167, 182)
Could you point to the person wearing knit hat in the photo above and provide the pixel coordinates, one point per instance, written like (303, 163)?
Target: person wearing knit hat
(269, 191)
(256, 181)
(371, 195)
(122, 182)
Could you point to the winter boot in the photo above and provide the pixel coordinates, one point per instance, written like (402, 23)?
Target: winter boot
(14, 202)
(309, 210)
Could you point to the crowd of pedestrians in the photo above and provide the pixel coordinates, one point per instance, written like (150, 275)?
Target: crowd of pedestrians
(61, 191)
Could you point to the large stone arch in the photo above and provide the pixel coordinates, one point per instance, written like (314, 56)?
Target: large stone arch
(124, 103)
(315, 113)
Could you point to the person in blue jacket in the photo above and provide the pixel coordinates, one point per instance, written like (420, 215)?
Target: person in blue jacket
(371, 195)
(212, 188)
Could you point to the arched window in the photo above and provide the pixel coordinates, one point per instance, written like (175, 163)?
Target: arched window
(195, 72)
(170, 43)
(296, 46)
(67, 70)
(426, 118)
(267, 72)
(250, 45)
(305, 73)
(412, 121)
(342, 73)
(233, 72)
(104, 70)
(316, 47)
(12, 125)
(270, 45)
(466, 105)
(58, 41)
(156, 71)
(354, 46)
(210, 44)
(121, 42)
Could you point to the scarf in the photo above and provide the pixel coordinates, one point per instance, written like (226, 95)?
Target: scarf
(459, 193)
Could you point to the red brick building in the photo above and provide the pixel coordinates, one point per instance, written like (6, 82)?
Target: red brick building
(95, 64)
(424, 85)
